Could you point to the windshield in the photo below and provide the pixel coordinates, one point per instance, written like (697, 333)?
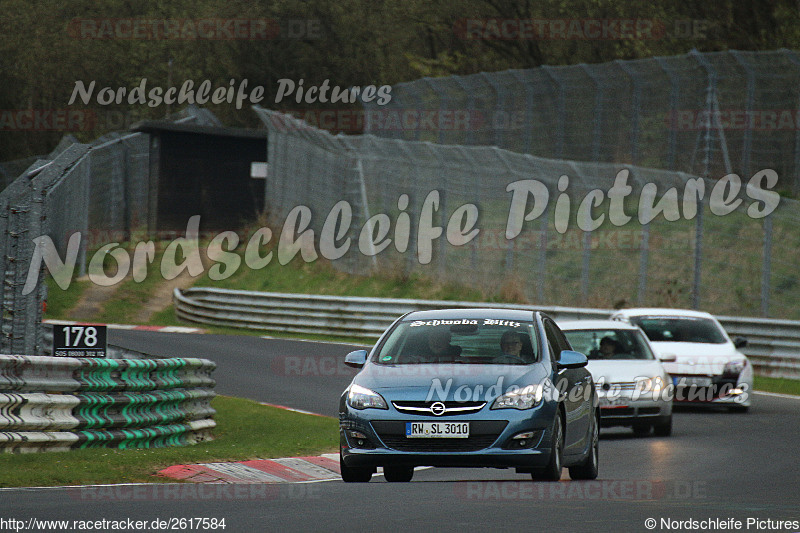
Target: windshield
(469, 341)
(681, 329)
(610, 344)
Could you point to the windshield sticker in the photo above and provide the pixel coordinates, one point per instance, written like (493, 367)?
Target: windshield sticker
(466, 321)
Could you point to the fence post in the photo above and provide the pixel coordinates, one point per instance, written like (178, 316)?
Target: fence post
(541, 282)
(766, 267)
(747, 141)
(673, 110)
(637, 92)
(558, 153)
(598, 112)
(530, 104)
(698, 254)
(713, 120)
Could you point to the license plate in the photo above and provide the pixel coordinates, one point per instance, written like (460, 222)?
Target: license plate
(614, 402)
(689, 381)
(437, 430)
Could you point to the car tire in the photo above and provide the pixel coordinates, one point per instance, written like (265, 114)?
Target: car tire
(641, 430)
(589, 468)
(354, 474)
(663, 429)
(398, 474)
(552, 472)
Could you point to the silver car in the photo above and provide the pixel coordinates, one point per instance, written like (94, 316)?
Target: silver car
(632, 384)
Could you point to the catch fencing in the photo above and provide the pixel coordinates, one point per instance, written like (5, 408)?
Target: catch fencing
(773, 345)
(100, 190)
(734, 264)
(707, 114)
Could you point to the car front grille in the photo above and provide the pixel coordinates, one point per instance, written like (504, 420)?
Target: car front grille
(615, 412)
(450, 408)
(483, 433)
(693, 393)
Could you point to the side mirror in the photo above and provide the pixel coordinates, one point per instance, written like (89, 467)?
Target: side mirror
(667, 358)
(571, 359)
(739, 342)
(356, 359)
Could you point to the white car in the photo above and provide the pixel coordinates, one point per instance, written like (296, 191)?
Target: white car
(705, 364)
(631, 382)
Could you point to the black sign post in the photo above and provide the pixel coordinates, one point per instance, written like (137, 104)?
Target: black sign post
(79, 341)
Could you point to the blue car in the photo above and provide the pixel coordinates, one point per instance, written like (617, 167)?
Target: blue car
(470, 388)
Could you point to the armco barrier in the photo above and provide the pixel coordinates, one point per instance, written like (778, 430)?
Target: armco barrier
(59, 403)
(773, 345)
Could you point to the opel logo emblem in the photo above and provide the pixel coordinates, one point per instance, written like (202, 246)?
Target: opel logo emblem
(438, 408)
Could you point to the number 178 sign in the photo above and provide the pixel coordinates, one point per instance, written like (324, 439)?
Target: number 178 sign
(79, 341)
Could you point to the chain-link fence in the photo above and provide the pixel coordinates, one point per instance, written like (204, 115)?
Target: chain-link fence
(100, 190)
(707, 114)
(732, 264)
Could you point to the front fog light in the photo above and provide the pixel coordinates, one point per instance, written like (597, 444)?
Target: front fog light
(359, 438)
(523, 438)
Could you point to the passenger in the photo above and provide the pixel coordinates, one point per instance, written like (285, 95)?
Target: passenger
(511, 344)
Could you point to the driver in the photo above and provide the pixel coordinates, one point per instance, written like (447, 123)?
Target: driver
(440, 347)
(608, 348)
(511, 344)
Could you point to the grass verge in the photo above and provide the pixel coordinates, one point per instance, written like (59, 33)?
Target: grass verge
(778, 385)
(245, 430)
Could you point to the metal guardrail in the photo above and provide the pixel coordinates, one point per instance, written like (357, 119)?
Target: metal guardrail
(773, 345)
(59, 403)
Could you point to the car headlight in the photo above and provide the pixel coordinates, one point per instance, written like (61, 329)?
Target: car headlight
(359, 397)
(734, 368)
(524, 398)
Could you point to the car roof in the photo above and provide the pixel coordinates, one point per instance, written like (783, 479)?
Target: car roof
(472, 313)
(662, 311)
(572, 325)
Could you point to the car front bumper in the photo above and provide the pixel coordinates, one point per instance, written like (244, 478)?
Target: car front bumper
(490, 443)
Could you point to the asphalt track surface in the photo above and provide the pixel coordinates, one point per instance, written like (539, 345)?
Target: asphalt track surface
(717, 466)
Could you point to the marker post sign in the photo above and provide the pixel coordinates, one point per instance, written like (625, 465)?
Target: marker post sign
(79, 341)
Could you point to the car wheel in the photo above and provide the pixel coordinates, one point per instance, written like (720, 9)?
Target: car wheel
(641, 430)
(552, 472)
(589, 468)
(663, 429)
(354, 474)
(398, 474)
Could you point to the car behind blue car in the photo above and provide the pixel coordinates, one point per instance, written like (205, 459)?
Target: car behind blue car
(470, 388)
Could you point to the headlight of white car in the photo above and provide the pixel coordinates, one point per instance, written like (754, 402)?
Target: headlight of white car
(359, 397)
(734, 368)
(524, 398)
(653, 385)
